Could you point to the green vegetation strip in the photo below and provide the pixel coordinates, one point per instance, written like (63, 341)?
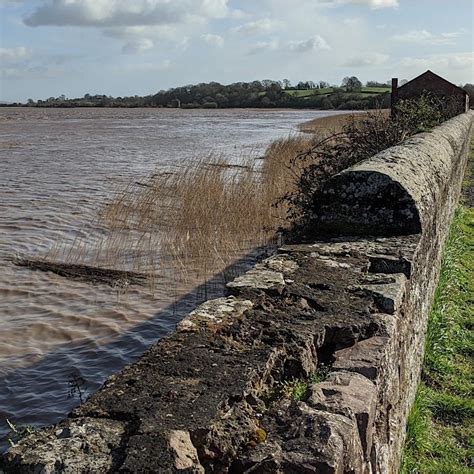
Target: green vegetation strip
(440, 428)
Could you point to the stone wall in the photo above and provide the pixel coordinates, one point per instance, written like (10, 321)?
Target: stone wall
(344, 314)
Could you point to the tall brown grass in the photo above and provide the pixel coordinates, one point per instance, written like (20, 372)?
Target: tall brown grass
(195, 220)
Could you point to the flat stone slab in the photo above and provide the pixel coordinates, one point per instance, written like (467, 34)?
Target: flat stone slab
(214, 313)
(258, 278)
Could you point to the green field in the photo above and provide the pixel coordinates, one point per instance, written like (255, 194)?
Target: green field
(330, 90)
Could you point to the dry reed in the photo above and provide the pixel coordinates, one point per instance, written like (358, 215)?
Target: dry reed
(189, 222)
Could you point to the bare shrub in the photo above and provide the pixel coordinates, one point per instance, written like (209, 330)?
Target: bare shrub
(360, 137)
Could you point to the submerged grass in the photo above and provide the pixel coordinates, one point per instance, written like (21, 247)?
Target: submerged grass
(440, 427)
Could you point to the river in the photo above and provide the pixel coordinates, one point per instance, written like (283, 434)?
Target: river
(57, 166)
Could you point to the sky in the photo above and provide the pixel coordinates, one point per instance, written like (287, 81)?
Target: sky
(138, 47)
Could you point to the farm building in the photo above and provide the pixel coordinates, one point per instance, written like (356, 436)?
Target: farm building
(450, 95)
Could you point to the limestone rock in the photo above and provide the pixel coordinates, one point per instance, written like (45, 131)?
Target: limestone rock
(280, 263)
(186, 457)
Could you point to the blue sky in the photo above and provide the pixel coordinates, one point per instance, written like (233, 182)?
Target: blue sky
(128, 47)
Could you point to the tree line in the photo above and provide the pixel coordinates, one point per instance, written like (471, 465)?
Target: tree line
(267, 93)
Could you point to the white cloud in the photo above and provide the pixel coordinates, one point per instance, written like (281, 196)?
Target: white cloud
(124, 13)
(315, 43)
(440, 62)
(257, 27)
(367, 60)
(375, 4)
(264, 46)
(138, 47)
(424, 36)
(214, 40)
(140, 24)
(13, 53)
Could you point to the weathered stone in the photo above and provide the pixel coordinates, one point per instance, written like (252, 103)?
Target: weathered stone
(351, 395)
(213, 314)
(85, 445)
(333, 263)
(363, 357)
(388, 292)
(280, 263)
(258, 278)
(310, 441)
(186, 457)
(389, 264)
(395, 191)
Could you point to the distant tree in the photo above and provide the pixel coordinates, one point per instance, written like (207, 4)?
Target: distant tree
(376, 84)
(267, 83)
(351, 84)
(327, 104)
(256, 85)
(286, 83)
(323, 84)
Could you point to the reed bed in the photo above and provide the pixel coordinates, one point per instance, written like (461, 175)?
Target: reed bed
(333, 124)
(186, 223)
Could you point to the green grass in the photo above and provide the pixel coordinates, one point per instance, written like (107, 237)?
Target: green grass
(376, 90)
(440, 427)
(366, 91)
(302, 92)
(297, 389)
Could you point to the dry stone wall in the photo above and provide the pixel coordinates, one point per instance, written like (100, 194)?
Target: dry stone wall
(345, 314)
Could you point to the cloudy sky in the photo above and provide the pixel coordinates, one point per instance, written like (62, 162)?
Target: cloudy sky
(128, 47)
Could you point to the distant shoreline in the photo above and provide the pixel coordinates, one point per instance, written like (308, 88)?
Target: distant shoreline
(338, 111)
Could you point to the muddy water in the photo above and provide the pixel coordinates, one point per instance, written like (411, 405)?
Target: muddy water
(56, 168)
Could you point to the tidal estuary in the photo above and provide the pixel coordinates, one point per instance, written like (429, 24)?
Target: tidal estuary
(56, 167)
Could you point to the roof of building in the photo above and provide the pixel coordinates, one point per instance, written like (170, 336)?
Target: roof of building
(436, 76)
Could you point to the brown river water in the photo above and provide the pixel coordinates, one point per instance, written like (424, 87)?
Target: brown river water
(56, 168)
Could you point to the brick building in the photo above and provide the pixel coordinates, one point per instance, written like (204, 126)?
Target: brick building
(449, 94)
